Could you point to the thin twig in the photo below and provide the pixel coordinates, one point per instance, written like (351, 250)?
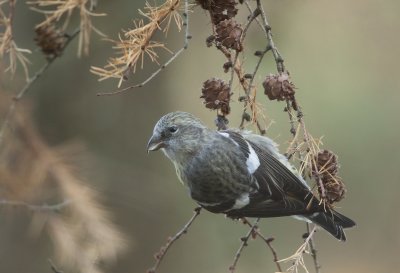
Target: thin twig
(309, 145)
(261, 130)
(267, 28)
(281, 68)
(268, 241)
(294, 146)
(288, 109)
(36, 208)
(313, 251)
(248, 91)
(40, 72)
(123, 90)
(174, 56)
(171, 240)
(257, 19)
(233, 69)
(306, 137)
(254, 15)
(250, 19)
(261, 56)
(297, 258)
(245, 80)
(28, 85)
(237, 69)
(244, 243)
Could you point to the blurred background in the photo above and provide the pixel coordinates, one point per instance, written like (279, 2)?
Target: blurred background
(343, 57)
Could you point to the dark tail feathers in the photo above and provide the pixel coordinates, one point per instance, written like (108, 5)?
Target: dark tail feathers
(333, 222)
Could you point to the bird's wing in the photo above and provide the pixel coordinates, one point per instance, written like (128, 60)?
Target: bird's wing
(266, 148)
(277, 175)
(280, 191)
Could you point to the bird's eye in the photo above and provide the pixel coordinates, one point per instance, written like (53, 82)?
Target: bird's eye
(173, 129)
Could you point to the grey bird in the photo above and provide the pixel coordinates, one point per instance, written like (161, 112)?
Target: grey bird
(239, 173)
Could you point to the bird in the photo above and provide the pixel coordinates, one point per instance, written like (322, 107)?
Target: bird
(239, 173)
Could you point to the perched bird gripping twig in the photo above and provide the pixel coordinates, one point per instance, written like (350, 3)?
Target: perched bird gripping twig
(239, 173)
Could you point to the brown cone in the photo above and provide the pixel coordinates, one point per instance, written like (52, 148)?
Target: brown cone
(50, 40)
(279, 87)
(229, 33)
(326, 163)
(325, 169)
(216, 94)
(222, 9)
(219, 9)
(334, 189)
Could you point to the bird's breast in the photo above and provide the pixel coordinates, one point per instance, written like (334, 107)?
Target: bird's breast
(215, 176)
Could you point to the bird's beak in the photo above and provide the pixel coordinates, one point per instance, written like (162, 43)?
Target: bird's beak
(155, 143)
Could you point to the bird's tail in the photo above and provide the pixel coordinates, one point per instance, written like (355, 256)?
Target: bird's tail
(333, 222)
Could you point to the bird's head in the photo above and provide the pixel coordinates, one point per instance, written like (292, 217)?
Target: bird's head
(178, 134)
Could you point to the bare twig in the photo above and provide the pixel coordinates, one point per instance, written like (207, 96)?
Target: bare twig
(291, 119)
(267, 28)
(244, 243)
(257, 19)
(297, 259)
(173, 57)
(309, 143)
(233, 69)
(295, 147)
(248, 91)
(155, 73)
(250, 20)
(294, 132)
(281, 68)
(36, 208)
(28, 85)
(171, 240)
(245, 80)
(313, 251)
(268, 241)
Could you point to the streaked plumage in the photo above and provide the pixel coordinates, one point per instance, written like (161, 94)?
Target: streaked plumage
(239, 173)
